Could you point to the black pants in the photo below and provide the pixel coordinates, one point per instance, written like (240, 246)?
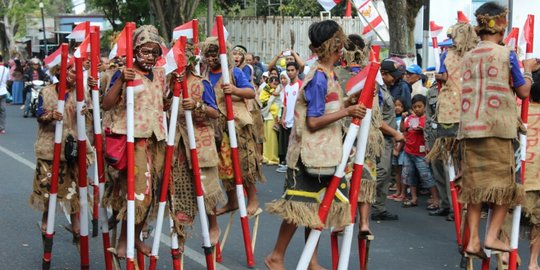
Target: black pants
(283, 143)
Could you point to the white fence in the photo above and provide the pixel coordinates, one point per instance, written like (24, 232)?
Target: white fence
(267, 36)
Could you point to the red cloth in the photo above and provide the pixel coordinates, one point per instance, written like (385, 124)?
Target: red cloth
(414, 139)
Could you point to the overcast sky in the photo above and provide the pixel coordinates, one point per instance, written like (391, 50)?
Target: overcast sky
(78, 6)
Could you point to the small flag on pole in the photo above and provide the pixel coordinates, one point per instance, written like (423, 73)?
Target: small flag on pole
(461, 18)
(214, 32)
(54, 59)
(80, 31)
(175, 57)
(82, 50)
(434, 29)
(511, 41)
(119, 49)
(356, 83)
(185, 30)
(328, 4)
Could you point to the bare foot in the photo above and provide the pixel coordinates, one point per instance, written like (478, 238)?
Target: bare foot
(315, 266)
(365, 228)
(121, 248)
(533, 267)
(227, 208)
(215, 232)
(273, 263)
(497, 245)
(252, 206)
(142, 247)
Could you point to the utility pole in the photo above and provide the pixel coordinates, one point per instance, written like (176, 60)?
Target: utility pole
(41, 6)
(510, 14)
(425, 43)
(209, 17)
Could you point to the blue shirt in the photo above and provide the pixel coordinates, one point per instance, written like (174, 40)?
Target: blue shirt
(315, 94)
(401, 89)
(240, 79)
(442, 69)
(209, 96)
(117, 74)
(247, 71)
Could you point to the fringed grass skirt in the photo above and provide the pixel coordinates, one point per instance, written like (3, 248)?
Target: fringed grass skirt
(300, 202)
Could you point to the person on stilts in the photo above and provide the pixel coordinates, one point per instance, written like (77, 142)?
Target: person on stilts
(488, 126)
(242, 92)
(315, 146)
(47, 115)
(150, 92)
(183, 205)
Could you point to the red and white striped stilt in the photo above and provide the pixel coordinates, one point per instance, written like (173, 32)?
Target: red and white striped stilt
(514, 238)
(234, 145)
(366, 98)
(48, 237)
(83, 175)
(98, 144)
(326, 203)
(205, 231)
(130, 101)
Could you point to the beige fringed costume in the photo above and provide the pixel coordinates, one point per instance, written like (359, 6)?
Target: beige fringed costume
(531, 185)
(149, 136)
(311, 159)
(68, 172)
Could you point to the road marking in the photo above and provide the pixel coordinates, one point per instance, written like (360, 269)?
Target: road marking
(188, 252)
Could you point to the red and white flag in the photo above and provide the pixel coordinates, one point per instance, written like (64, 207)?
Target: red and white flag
(434, 29)
(80, 31)
(175, 57)
(511, 41)
(214, 32)
(373, 20)
(356, 83)
(328, 4)
(119, 49)
(527, 39)
(461, 18)
(83, 49)
(54, 59)
(185, 30)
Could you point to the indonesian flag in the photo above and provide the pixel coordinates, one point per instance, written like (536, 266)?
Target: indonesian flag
(328, 4)
(461, 18)
(80, 31)
(54, 59)
(528, 34)
(434, 29)
(138, 86)
(214, 32)
(119, 49)
(185, 30)
(511, 41)
(356, 83)
(312, 59)
(82, 50)
(175, 57)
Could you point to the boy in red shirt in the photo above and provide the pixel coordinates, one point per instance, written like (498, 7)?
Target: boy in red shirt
(415, 155)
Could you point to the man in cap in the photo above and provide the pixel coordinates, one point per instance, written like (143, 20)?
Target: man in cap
(393, 79)
(413, 76)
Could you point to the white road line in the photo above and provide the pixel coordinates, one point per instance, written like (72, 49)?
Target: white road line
(188, 252)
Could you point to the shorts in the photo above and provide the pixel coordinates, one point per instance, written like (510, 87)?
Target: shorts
(399, 160)
(414, 165)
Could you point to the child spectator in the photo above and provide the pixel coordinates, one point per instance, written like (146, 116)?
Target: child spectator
(398, 155)
(415, 154)
(269, 98)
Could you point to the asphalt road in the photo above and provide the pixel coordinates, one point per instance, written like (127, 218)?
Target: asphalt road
(417, 241)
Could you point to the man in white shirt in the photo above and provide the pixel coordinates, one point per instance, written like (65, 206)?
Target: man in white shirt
(4, 75)
(287, 116)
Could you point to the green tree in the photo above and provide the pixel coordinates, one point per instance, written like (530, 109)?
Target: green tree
(13, 21)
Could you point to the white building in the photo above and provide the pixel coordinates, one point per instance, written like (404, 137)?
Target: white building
(444, 13)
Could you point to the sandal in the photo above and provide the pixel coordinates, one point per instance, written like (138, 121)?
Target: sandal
(408, 204)
(391, 197)
(433, 206)
(399, 198)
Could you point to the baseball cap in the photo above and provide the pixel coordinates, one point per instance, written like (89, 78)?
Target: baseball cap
(414, 69)
(392, 67)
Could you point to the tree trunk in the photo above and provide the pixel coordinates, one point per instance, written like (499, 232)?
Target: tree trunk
(172, 13)
(399, 32)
